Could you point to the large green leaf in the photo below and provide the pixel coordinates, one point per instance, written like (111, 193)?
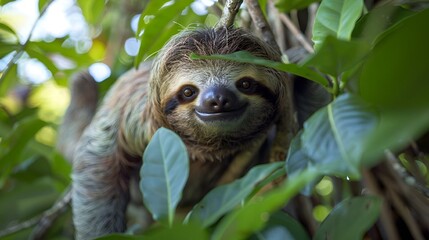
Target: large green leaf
(224, 198)
(378, 20)
(333, 139)
(282, 226)
(42, 4)
(9, 80)
(287, 5)
(150, 10)
(176, 232)
(253, 216)
(395, 76)
(91, 9)
(164, 173)
(12, 146)
(4, 2)
(246, 57)
(173, 28)
(350, 219)
(26, 200)
(336, 18)
(6, 28)
(336, 56)
(6, 48)
(57, 47)
(396, 129)
(153, 24)
(35, 52)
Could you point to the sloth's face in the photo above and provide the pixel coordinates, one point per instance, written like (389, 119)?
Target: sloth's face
(220, 104)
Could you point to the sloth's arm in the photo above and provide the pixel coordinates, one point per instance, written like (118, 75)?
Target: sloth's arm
(100, 182)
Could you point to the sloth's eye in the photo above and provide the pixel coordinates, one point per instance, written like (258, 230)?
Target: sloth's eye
(187, 92)
(246, 85)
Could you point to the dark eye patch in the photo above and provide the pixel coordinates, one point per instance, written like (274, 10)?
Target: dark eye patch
(250, 86)
(185, 95)
(170, 106)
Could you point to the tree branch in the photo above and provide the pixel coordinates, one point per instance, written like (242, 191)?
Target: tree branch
(44, 220)
(228, 14)
(406, 178)
(296, 32)
(49, 216)
(261, 23)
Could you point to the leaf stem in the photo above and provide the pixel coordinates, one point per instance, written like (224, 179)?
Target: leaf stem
(335, 86)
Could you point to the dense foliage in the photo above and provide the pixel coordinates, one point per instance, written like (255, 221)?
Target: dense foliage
(361, 162)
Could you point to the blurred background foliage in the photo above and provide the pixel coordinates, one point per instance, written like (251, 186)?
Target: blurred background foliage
(43, 43)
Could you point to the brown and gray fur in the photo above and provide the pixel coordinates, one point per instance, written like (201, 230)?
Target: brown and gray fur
(108, 154)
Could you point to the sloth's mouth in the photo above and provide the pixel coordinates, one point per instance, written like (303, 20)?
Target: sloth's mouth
(221, 116)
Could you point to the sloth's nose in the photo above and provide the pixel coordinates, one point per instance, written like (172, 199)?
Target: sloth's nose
(219, 99)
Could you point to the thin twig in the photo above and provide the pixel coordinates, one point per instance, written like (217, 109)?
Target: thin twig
(386, 217)
(278, 27)
(312, 10)
(296, 32)
(406, 178)
(22, 47)
(45, 220)
(228, 14)
(261, 23)
(48, 217)
(402, 209)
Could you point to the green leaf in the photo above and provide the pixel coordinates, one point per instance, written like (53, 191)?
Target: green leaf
(252, 217)
(176, 232)
(396, 77)
(378, 20)
(8, 29)
(179, 23)
(12, 146)
(26, 200)
(263, 5)
(35, 52)
(164, 173)
(60, 167)
(396, 129)
(42, 4)
(119, 236)
(246, 57)
(287, 5)
(336, 56)
(224, 198)
(395, 80)
(6, 48)
(150, 10)
(282, 226)
(9, 80)
(91, 9)
(4, 2)
(336, 18)
(57, 47)
(150, 25)
(333, 139)
(350, 219)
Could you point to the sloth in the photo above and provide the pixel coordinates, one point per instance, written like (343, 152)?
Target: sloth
(231, 116)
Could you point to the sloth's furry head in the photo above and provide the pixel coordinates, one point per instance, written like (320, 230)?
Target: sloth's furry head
(182, 89)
